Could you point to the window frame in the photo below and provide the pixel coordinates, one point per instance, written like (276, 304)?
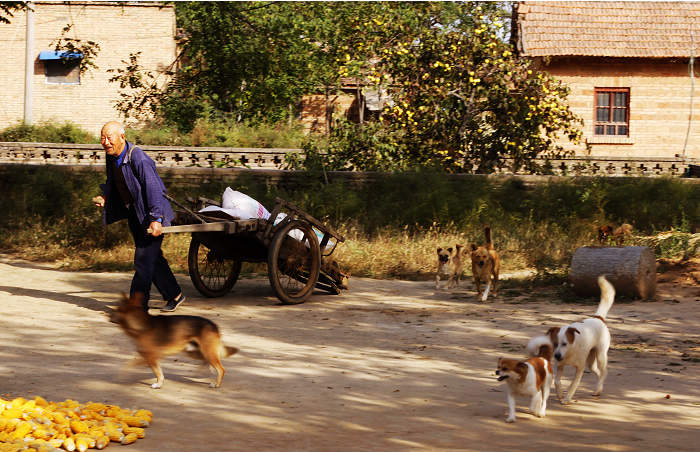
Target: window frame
(612, 107)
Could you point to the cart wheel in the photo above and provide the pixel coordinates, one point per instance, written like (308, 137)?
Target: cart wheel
(294, 262)
(212, 276)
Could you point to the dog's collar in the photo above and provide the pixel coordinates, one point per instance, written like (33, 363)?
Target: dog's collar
(600, 318)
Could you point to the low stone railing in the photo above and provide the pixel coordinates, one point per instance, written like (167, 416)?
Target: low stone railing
(271, 158)
(165, 156)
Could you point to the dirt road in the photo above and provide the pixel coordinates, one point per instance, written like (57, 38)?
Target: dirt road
(390, 365)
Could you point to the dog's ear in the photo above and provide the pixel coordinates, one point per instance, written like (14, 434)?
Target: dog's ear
(553, 332)
(474, 247)
(571, 334)
(439, 249)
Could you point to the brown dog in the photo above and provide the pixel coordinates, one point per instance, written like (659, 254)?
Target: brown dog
(449, 264)
(161, 335)
(618, 235)
(485, 266)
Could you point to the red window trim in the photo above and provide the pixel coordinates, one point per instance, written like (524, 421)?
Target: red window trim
(596, 91)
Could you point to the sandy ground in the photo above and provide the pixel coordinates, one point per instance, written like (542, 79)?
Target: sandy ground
(389, 365)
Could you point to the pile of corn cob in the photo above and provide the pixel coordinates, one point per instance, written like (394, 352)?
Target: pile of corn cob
(41, 426)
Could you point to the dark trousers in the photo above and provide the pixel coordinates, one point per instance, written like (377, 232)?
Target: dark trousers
(150, 264)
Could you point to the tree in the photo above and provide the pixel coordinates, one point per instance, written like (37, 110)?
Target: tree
(463, 101)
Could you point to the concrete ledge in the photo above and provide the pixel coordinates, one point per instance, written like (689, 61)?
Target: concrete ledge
(274, 159)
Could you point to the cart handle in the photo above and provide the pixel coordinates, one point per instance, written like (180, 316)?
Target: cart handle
(201, 220)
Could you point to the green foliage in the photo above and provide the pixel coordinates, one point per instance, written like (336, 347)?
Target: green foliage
(51, 207)
(462, 101)
(350, 146)
(48, 132)
(223, 132)
(87, 48)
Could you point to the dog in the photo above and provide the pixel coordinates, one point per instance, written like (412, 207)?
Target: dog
(580, 344)
(449, 265)
(530, 377)
(485, 266)
(604, 232)
(161, 335)
(618, 235)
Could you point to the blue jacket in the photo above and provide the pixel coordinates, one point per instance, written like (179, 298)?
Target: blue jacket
(146, 188)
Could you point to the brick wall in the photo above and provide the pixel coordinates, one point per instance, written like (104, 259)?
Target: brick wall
(120, 28)
(659, 104)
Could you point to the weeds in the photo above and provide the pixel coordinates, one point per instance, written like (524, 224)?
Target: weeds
(392, 224)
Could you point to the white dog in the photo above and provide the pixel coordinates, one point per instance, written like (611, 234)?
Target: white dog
(530, 377)
(580, 344)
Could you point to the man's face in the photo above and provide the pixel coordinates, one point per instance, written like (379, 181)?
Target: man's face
(112, 140)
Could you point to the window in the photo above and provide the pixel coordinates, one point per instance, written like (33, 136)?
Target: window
(61, 67)
(612, 111)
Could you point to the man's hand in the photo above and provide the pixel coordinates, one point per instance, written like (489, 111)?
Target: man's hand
(99, 201)
(155, 229)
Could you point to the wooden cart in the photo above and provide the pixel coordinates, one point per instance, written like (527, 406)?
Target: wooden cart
(296, 249)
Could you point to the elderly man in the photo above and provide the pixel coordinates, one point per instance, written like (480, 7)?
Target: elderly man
(135, 191)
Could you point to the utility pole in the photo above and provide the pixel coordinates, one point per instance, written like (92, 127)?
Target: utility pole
(29, 64)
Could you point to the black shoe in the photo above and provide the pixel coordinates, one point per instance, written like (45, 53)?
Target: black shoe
(172, 305)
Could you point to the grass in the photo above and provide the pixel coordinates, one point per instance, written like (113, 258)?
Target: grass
(208, 133)
(48, 216)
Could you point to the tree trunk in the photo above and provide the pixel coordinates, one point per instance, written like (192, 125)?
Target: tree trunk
(631, 269)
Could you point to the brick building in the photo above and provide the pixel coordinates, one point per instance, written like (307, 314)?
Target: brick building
(628, 67)
(58, 92)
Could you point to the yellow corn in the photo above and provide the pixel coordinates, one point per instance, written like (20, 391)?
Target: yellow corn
(82, 443)
(10, 413)
(130, 438)
(138, 430)
(78, 426)
(114, 435)
(69, 444)
(102, 442)
(56, 442)
(21, 430)
(18, 402)
(60, 418)
(40, 401)
(133, 421)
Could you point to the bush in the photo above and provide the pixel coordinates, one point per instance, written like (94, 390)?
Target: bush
(48, 132)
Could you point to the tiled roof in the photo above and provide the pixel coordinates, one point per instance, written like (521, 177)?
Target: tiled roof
(612, 29)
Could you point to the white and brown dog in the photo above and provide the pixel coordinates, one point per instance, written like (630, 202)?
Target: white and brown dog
(449, 265)
(580, 344)
(530, 377)
(485, 266)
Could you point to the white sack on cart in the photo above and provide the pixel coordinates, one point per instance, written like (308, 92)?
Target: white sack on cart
(236, 200)
(239, 205)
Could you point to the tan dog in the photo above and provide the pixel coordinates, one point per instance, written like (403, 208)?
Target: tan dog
(485, 266)
(162, 335)
(450, 265)
(621, 233)
(618, 235)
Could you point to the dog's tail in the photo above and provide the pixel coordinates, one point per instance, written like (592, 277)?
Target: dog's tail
(540, 346)
(226, 351)
(487, 234)
(607, 296)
